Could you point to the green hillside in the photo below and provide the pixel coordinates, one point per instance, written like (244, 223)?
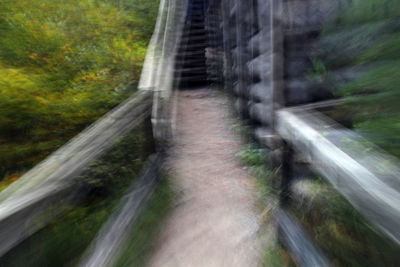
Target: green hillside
(63, 64)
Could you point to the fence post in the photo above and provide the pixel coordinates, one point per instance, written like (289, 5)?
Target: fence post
(286, 176)
(149, 134)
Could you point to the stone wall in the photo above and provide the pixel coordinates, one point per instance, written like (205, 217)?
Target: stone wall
(262, 49)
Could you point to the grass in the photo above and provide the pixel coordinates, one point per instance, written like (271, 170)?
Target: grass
(256, 160)
(344, 235)
(143, 236)
(331, 221)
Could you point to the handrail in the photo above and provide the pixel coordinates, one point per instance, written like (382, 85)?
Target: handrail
(368, 178)
(254, 70)
(37, 193)
(70, 159)
(172, 17)
(151, 62)
(298, 242)
(29, 204)
(109, 242)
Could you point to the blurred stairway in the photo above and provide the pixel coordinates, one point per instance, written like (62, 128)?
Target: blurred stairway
(190, 68)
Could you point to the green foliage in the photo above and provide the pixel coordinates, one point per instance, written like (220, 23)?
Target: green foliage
(382, 79)
(102, 185)
(319, 68)
(277, 257)
(387, 48)
(144, 233)
(63, 64)
(127, 155)
(252, 156)
(367, 37)
(373, 99)
(363, 11)
(340, 46)
(344, 235)
(256, 160)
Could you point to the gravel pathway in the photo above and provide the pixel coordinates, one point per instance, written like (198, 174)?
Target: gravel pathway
(214, 222)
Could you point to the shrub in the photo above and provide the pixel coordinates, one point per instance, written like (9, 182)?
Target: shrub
(63, 64)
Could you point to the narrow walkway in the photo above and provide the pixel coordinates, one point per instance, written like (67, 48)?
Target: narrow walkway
(214, 223)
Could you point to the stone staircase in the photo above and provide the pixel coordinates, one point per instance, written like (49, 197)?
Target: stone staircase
(190, 65)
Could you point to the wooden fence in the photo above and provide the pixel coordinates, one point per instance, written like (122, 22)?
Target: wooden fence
(35, 199)
(263, 48)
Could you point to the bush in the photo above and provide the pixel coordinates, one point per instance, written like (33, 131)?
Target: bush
(63, 64)
(367, 36)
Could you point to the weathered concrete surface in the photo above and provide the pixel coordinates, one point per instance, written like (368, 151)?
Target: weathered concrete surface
(214, 222)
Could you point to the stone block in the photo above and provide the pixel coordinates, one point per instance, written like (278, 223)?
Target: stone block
(261, 112)
(260, 67)
(297, 92)
(261, 92)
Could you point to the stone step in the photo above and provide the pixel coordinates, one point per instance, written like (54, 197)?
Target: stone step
(191, 74)
(192, 70)
(194, 32)
(194, 38)
(190, 54)
(199, 77)
(196, 26)
(192, 47)
(188, 66)
(196, 60)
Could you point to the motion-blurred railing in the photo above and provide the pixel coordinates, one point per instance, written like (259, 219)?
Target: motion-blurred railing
(31, 202)
(366, 176)
(263, 43)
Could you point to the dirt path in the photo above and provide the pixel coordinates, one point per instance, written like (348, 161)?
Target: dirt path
(214, 223)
